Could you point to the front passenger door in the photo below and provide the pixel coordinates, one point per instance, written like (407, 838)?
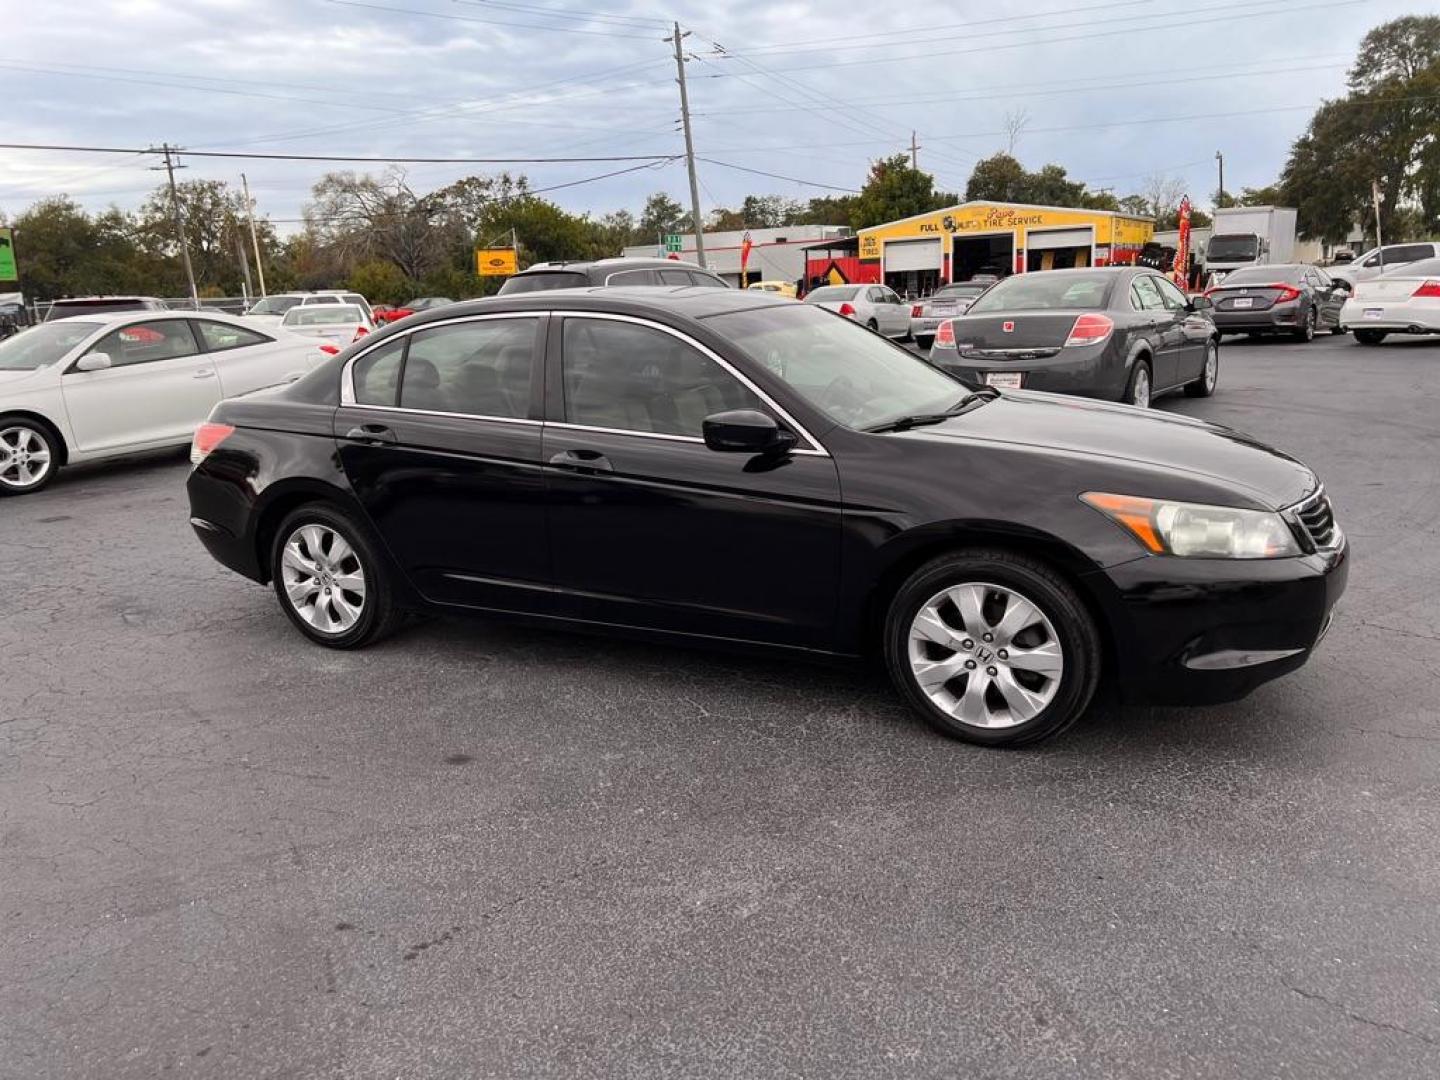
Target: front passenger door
(157, 389)
(1164, 329)
(1190, 332)
(651, 528)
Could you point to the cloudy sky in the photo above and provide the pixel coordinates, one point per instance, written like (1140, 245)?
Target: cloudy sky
(1114, 90)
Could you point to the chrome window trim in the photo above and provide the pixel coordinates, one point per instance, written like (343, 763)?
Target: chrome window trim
(347, 374)
(814, 447)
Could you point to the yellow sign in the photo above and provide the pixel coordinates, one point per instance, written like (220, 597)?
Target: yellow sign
(495, 262)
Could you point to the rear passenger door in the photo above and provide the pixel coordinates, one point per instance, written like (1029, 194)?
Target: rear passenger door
(651, 528)
(439, 435)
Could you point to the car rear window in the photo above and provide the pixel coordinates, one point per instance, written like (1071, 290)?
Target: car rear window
(1060, 290)
(543, 281)
(67, 309)
(829, 293)
(1265, 275)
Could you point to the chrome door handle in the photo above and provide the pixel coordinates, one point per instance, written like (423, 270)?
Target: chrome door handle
(582, 461)
(205, 373)
(374, 434)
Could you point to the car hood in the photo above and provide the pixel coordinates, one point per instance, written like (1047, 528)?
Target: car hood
(17, 379)
(1079, 426)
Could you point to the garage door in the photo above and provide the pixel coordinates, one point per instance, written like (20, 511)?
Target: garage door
(1051, 239)
(901, 255)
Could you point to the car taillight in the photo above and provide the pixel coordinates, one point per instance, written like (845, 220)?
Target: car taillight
(1090, 329)
(328, 348)
(847, 310)
(207, 437)
(917, 311)
(360, 331)
(1287, 293)
(1430, 290)
(945, 335)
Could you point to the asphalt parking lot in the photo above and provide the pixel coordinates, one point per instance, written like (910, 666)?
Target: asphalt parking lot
(486, 852)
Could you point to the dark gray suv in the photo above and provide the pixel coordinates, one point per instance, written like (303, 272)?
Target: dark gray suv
(627, 272)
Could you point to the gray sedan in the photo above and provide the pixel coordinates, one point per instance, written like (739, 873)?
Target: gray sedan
(1293, 299)
(945, 303)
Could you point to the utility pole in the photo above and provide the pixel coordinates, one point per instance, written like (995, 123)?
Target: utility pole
(170, 168)
(689, 145)
(1220, 160)
(914, 152)
(254, 241)
(1379, 240)
(244, 267)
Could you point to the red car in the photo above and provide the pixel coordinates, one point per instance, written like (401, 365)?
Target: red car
(423, 303)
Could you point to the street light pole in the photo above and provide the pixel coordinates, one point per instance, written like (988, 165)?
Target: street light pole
(689, 146)
(1220, 160)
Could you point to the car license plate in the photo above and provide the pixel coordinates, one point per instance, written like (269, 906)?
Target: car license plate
(1006, 380)
(1244, 301)
(1374, 313)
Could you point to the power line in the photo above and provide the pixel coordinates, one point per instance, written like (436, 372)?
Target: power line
(259, 156)
(778, 176)
(488, 22)
(586, 17)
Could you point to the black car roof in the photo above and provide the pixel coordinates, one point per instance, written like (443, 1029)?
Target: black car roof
(688, 301)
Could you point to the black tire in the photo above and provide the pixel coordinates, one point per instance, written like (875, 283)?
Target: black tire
(1075, 633)
(25, 440)
(378, 615)
(1132, 388)
(924, 343)
(873, 326)
(1307, 332)
(1209, 378)
(1370, 337)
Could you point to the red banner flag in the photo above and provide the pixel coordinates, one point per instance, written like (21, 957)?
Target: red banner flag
(1182, 247)
(745, 246)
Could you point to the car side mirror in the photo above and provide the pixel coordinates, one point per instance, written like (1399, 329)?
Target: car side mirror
(1200, 303)
(1342, 285)
(745, 431)
(95, 361)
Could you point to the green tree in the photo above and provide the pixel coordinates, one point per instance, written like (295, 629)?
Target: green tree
(894, 190)
(216, 231)
(661, 215)
(381, 282)
(64, 251)
(999, 178)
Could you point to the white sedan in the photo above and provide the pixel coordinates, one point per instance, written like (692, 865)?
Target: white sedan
(874, 306)
(98, 386)
(339, 324)
(1405, 300)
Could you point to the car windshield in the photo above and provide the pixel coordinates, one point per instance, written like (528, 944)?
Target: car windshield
(43, 345)
(830, 293)
(853, 376)
(1264, 275)
(1057, 290)
(545, 279)
(318, 315)
(1232, 248)
(274, 305)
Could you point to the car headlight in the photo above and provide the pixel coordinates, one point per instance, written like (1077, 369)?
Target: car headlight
(1196, 531)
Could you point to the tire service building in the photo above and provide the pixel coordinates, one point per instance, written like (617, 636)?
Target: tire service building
(915, 255)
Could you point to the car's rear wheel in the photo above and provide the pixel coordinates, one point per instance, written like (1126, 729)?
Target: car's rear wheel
(1204, 386)
(29, 455)
(993, 648)
(1370, 337)
(330, 580)
(1137, 391)
(1307, 331)
(924, 343)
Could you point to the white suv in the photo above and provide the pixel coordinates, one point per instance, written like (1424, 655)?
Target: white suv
(1370, 265)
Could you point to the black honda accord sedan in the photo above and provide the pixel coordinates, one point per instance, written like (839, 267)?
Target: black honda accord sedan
(727, 466)
(1118, 333)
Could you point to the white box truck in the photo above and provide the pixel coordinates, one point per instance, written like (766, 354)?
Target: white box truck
(1250, 236)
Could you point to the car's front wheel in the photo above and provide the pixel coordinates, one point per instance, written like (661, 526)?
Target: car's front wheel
(330, 579)
(29, 455)
(1370, 337)
(992, 647)
(1204, 386)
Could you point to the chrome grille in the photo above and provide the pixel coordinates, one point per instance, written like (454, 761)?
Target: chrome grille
(1318, 520)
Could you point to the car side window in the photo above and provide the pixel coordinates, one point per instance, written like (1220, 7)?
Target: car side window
(147, 342)
(376, 375)
(628, 377)
(1408, 253)
(218, 336)
(633, 277)
(1170, 294)
(874, 295)
(1144, 296)
(707, 281)
(476, 368)
(675, 277)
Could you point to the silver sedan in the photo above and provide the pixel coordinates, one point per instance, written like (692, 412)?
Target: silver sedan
(946, 302)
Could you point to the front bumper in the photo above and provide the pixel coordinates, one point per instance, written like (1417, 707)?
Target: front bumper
(1203, 631)
(1279, 319)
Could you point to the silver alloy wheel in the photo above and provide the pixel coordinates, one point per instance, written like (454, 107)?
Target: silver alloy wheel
(1310, 323)
(985, 655)
(1212, 367)
(24, 457)
(1142, 388)
(323, 578)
